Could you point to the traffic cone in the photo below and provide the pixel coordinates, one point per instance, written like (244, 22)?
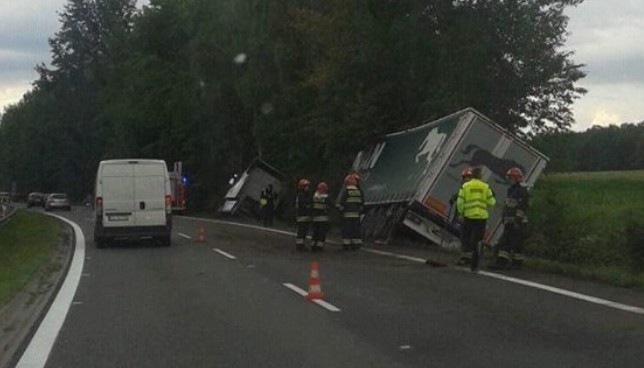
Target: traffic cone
(201, 235)
(315, 291)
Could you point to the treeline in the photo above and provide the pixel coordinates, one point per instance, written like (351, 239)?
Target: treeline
(596, 149)
(304, 84)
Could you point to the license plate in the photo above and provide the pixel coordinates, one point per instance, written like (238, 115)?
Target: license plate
(117, 218)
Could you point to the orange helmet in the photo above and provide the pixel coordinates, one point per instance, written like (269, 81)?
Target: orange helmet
(350, 179)
(322, 187)
(303, 184)
(466, 173)
(514, 173)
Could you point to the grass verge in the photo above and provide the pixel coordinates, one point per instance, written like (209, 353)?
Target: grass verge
(611, 275)
(589, 225)
(26, 244)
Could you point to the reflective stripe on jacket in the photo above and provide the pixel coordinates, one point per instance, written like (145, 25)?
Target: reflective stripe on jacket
(474, 198)
(516, 205)
(320, 206)
(351, 202)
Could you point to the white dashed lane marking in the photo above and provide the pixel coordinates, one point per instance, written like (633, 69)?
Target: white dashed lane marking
(227, 255)
(324, 304)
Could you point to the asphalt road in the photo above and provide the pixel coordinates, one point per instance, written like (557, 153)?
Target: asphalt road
(141, 305)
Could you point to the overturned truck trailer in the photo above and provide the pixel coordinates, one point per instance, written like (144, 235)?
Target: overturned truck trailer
(410, 176)
(243, 196)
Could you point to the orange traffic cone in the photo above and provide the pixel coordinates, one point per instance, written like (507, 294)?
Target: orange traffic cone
(201, 235)
(315, 291)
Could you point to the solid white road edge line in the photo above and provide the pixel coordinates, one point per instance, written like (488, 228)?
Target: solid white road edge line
(328, 306)
(379, 252)
(37, 352)
(572, 294)
(185, 236)
(227, 255)
(408, 258)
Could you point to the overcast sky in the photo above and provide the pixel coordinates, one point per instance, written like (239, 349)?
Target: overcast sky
(606, 35)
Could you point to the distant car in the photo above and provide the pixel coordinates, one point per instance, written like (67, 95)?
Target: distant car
(5, 198)
(58, 201)
(36, 199)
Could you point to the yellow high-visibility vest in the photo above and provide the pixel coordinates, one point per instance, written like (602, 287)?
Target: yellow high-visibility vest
(474, 198)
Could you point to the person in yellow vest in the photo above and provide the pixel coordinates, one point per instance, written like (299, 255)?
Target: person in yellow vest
(269, 208)
(466, 257)
(351, 206)
(474, 199)
(320, 216)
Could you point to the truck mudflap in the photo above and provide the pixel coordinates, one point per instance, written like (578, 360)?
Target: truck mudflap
(432, 226)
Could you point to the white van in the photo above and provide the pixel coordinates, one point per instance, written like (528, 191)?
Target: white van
(132, 201)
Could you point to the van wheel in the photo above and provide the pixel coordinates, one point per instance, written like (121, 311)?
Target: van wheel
(100, 242)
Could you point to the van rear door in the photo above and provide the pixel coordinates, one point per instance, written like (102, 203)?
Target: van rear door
(150, 181)
(118, 191)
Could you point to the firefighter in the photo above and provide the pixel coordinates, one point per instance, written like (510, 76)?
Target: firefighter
(474, 198)
(302, 213)
(271, 199)
(320, 216)
(466, 257)
(351, 205)
(515, 221)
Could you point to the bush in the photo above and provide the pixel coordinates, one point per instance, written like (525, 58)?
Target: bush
(634, 240)
(592, 219)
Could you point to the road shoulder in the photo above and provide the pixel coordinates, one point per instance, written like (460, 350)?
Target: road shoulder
(20, 317)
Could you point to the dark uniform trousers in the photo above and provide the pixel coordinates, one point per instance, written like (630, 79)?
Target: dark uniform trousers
(351, 232)
(473, 231)
(302, 230)
(320, 218)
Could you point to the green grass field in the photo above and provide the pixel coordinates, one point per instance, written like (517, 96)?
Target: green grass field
(26, 245)
(591, 224)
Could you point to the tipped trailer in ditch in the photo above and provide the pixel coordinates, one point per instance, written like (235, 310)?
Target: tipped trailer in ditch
(409, 176)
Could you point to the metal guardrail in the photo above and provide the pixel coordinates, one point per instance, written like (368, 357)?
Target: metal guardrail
(5, 213)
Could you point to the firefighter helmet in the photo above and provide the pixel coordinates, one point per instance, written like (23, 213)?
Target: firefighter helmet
(303, 184)
(514, 173)
(322, 187)
(351, 179)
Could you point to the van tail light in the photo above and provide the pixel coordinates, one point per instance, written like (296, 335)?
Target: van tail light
(168, 203)
(99, 207)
